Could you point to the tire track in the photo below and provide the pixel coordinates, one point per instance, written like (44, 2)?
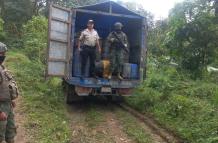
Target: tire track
(153, 127)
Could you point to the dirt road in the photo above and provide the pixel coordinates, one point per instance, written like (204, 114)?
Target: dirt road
(97, 122)
(102, 122)
(22, 136)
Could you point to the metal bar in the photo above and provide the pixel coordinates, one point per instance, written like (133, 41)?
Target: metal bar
(62, 8)
(49, 37)
(58, 75)
(71, 52)
(110, 10)
(57, 60)
(108, 14)
(58, 40)
(143, 50)
(61, 20)
(66, 60)
(67, 72)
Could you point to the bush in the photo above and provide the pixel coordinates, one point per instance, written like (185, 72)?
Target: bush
(144, 99)
(40, 97)
(203, 90)
(2, 33)
(192, 118)
(35, 37)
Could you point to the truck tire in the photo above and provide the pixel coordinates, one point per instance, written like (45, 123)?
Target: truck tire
(70, 94)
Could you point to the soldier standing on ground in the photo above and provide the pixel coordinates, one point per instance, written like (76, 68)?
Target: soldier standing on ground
(118, 44)
(90, 39)
(8, 93)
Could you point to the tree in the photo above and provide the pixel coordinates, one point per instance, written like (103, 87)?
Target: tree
(2, 33)
(35, 37)
(17, 12)
(156, 37)
(192, 35)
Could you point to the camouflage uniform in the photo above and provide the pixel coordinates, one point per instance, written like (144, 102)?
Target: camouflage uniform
(116, 51)
(8, 92)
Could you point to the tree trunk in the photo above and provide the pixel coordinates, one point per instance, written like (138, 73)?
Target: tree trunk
(48, 2)
(216, 7)
(2, 7)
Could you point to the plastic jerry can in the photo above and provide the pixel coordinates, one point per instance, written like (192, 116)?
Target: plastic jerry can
(134, 71)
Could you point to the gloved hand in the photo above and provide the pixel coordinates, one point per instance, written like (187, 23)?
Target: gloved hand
(3, 116)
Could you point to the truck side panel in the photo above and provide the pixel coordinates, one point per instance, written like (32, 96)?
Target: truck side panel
(58, 41)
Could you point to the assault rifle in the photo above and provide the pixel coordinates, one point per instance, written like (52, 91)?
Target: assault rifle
(121, 43)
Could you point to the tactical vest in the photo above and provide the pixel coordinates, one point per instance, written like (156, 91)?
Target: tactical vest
(8, 88)
(121, 36)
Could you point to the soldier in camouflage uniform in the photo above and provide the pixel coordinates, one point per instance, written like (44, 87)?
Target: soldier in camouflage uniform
(8, 92)
(118, 44)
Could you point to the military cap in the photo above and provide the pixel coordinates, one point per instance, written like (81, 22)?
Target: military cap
(3, 48)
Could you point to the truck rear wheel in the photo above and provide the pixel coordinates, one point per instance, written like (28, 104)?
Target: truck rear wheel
(70, 94)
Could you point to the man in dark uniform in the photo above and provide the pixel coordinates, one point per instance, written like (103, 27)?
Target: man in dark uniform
(90, 40)
(8, 93)
(118, 45)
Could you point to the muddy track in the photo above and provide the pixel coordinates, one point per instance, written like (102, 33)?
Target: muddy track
(154, 126)
(110, 129)
(87, 129)
(22, 135)
(100, 121)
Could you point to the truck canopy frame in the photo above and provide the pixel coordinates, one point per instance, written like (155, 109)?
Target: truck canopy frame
(105, 15)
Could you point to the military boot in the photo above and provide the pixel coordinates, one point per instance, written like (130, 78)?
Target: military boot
(110, 76)
(119, 76)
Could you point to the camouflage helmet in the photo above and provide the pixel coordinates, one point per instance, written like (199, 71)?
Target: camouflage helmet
(118, 25)
(3, 48)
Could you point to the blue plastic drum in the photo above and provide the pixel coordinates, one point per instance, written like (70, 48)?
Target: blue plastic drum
(134, 71)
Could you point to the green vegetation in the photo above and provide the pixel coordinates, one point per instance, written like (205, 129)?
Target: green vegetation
(185, 106)
(179, 91)
(94, 116)
(188, 37)
(2, 33)
(42, 99)
(133, 128)
(35, 38)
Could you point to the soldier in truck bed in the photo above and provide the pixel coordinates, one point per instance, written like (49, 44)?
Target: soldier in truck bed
(118, 45)
(8, 92)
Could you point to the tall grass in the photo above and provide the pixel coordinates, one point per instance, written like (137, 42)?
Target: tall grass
(42, 100)
(187, 107)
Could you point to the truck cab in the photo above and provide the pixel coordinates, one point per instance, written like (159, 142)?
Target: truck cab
(64, 60)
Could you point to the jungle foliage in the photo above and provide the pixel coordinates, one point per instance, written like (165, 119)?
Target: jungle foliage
(188, 37)
(179, 92)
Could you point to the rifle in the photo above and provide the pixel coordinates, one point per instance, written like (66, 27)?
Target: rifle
(121, 43)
